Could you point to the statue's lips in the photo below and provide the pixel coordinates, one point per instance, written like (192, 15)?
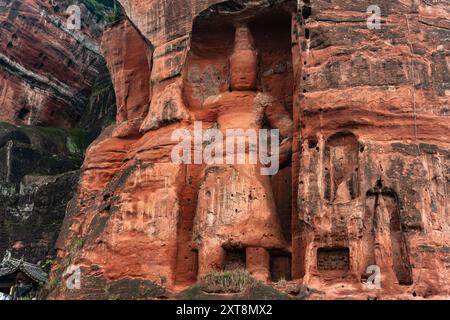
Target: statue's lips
(243, 83)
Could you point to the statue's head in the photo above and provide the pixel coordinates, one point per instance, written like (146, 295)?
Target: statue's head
(243, 61)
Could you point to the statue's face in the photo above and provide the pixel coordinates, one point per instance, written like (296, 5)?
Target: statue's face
(243, 69)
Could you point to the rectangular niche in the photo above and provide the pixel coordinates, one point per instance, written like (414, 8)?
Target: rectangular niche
(333, 259)
(235, 258)
(280, 266)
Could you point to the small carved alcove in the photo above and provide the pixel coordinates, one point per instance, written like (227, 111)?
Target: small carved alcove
(333, 259)
(341, 167)
(280, 266)
(235, 258)
(386, 200)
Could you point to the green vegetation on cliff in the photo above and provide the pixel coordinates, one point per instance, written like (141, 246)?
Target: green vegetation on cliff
(61, 148)
(107, 10)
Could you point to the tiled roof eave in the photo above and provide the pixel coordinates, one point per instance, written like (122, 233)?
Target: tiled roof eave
(7, 271)
(34, 272)
(35, 277)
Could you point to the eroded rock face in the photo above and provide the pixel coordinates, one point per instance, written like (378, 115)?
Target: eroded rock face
(364, 192)
(126, 56)
(38, 176)
(46, 70)
(373, 151)
(50, 77)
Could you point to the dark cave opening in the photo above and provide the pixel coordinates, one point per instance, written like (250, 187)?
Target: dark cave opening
(23, 112)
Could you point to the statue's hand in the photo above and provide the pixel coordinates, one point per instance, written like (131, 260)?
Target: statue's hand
(285, 152)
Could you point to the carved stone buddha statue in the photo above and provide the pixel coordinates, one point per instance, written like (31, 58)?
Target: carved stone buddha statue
(236, 207)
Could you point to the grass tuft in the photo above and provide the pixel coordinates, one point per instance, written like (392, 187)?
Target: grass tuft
(233, 281)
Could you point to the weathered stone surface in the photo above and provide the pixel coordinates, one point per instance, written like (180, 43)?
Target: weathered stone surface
(366, 181)
(126, 56)
(166, 107)
(370, 172)
(53, 77)
(100, 111)
(46, 70)
(37, 178)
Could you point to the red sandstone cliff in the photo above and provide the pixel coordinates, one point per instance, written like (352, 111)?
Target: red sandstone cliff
(50, 77)
(46, 70)
(367, 183)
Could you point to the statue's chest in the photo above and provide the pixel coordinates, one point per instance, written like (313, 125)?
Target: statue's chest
(241, 103)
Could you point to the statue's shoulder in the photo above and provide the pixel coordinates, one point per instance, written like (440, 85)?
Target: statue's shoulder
(264, 99)
(221, 97)
(211, 100)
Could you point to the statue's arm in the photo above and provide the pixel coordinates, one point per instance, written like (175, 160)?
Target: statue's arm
(209, 109)
(279, 118)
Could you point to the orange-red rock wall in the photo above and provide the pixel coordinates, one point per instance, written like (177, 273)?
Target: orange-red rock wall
(368, 180)
(46, 70)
